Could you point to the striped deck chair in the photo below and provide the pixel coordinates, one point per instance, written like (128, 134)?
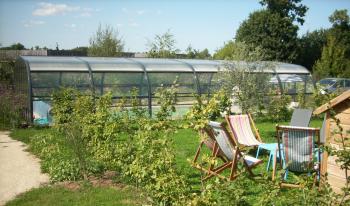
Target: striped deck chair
(246, 134)
(211, 144)
(298, 149)
(242, 127)
(231, 153)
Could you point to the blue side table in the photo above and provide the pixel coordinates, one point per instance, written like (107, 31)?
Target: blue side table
(272, 147)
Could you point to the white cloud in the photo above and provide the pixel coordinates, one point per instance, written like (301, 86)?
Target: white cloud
(120, 25)
(32, 23)
(49, 9)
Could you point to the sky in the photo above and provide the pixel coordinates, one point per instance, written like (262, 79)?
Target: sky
(199, 23)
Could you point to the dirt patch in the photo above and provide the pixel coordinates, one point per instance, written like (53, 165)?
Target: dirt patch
(106, 180)
(73, 186)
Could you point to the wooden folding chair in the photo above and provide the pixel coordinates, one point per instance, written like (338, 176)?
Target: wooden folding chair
(243, 130)
(245, 134)
(226, 145)
(211, 144)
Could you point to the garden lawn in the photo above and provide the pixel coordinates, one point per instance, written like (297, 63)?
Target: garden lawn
(85, 196)
(185, 141)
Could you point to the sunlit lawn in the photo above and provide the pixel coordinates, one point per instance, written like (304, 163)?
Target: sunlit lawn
(185, 141)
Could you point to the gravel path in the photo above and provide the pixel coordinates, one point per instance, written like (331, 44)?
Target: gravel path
(19, 170)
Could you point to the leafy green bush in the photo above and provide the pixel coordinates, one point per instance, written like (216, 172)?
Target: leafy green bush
(277, 110)
(58, 159)
(201, 112)
(153, 166)
(11, 107)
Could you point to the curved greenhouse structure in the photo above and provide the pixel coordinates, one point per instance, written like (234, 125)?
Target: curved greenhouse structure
(37, 77)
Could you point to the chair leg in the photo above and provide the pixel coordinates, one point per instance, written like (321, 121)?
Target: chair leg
(217, 171)
(274, 165)
(269, 161)
(257, 152)
(198, 152)
(285, 175)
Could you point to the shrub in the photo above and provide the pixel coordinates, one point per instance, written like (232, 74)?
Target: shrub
(56, 156)
(11, 107)
(154, 160)
(201, 113)
(277, 110)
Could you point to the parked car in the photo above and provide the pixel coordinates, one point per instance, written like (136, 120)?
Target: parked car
(330, 85)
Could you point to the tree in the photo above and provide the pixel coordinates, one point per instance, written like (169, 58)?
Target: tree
(339, 18)
(341, 29)
(105, 42)
(16, 46)
(196, 54)
(333, 62)
(335, 59)
(287, 8)
(244, 78)
(240, 51)
(163, 46)
(273, 33)
(311, 45)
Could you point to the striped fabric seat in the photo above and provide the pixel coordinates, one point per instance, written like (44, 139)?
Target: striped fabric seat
(298, 147)
(241, 128)
(227, 147)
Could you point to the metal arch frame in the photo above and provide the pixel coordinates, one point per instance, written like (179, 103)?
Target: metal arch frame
(92, 85)
(149, 92)
(194, 75)
(30, 89)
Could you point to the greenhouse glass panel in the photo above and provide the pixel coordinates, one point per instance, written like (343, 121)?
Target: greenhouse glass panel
(215, 83)
(184, 80)
(121, 84)
(204, 82)
(98, 83)
(310, 86)
(79, 80)
(186, 85)
(42, 111)
(44, 83)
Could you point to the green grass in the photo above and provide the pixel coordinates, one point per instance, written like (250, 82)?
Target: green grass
(87, 195)
(185, 141)
(24, 135)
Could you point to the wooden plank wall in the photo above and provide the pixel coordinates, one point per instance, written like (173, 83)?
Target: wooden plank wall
(336, 175)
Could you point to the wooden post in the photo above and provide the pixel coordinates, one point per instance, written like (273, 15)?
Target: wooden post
(325, 153)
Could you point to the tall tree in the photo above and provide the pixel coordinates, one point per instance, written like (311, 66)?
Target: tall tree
(333, 62)
(276, 35)
(287, 8)
(105, 42)
(335, 59)
(163, 46)
(311, 45)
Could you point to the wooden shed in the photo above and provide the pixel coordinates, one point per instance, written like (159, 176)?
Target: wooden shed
(338, 109)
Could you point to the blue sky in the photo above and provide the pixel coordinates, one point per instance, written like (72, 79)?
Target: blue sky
(201, 23)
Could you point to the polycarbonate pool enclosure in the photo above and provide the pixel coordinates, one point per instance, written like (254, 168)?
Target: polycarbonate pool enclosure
(37, 77)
